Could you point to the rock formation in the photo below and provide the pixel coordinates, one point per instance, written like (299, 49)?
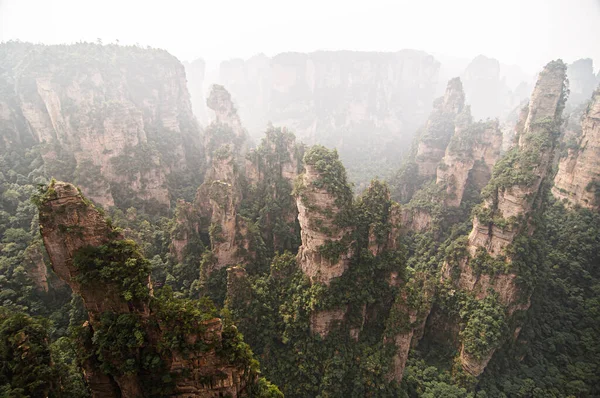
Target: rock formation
(116, 120)
(407, 319)
(510, 200)
(323, 198)
(578, 177)
(226, 129)
(469, 159)
(263, 177)
(222, 190)
(365, 104)
(449, 114)
(113, 279)
(440, 126)
(271, 170)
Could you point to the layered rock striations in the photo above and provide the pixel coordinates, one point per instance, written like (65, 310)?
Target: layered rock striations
(482, 268)
(116, 120)
(578, 176)
(128, 327)
(469, 159)
(324, 200)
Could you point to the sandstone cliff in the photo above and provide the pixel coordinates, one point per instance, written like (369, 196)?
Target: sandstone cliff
(366, 104)
(578, 177)
(440, 126)
(449, 114)
(116, 120)
(484, 269)
(184, 340)
(469, 159)
(324, 199)
(226, 128)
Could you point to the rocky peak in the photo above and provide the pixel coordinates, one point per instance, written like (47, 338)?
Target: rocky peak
(113, 279)
(578, 177)
(454, 97)
(439, 128)
(226, 129)
(469, 159)
(220, 102)
(518, 176)
(510, 198)
(324, 198)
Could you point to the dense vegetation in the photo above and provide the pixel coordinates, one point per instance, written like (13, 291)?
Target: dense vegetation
(391, 287)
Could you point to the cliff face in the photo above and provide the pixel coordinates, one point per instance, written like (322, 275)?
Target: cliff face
(578, 177)
(271, 170)
(223, 192)
(449, 114)
(510, 202)
(365, 104)
(116, 120)
(469, 159)
(439, 129)
(323, 199)
(113, 280)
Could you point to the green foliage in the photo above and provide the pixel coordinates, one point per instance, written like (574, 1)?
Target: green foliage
(331, 173)
(462, 144)
(118, 264)
(483, 263)
(26, 364)
(558, 344)
(117, 341)
(181, 318)
(485, 325)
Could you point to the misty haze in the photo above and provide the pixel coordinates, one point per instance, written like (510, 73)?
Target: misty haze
(317, 199)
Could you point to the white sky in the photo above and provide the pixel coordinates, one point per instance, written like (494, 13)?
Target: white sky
(524, 32)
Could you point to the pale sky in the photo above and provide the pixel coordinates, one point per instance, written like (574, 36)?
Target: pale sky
(524, 32)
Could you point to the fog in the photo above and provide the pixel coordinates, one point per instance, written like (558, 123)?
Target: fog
(527, 33)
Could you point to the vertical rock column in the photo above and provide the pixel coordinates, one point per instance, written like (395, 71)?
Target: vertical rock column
(511, 198)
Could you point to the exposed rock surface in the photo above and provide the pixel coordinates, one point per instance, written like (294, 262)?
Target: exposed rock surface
(103, 120)
(439, 128)
(366, 104)
(469, 158)
(70, 224)
(407, 320)
(318, 211)
(226, 128)
(578, 177)
(510, 199)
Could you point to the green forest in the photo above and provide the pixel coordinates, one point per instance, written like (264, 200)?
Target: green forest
(319, 289)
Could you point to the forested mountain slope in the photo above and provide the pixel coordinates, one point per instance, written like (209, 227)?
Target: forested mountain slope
(481, 282)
